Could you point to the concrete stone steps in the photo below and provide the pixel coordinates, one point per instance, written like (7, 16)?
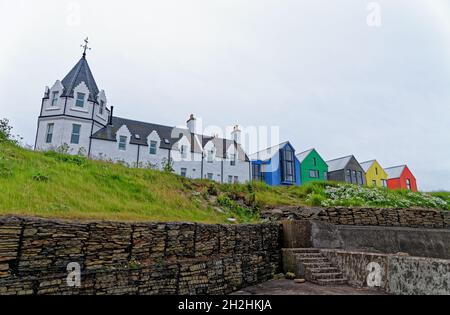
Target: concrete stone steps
(317, 268)
(326, 275)
(324, 269)
(326, 282)
(306, 250)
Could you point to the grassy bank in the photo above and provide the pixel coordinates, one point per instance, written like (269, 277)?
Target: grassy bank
(57, 185)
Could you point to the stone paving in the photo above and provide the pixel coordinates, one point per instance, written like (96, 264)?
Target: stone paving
(289, 287)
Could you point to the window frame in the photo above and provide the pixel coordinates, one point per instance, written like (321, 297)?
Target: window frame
(124, 143)
(287, 165)
(316, 174)
(49, 132)
(408, 184)
(184, 151)
(77, 100)
(348, 175)
(55, 97)
(233, 159)
(101, 108)
(257, 173)
(210, 156)
(185, 172)
(75, 135)
(151, 148)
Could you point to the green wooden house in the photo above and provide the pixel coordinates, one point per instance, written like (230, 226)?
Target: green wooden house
(312, 166)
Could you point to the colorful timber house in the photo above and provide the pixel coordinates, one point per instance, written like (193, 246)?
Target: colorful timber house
(312, 166)
(376, 176)
(400, 177)
(276, 165)
(346, 169)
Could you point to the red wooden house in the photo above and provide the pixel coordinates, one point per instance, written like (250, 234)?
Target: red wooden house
(400, 177)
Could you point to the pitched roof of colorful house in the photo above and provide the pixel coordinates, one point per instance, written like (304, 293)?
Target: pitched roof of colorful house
(367, 165)
(395, 172)
(268, 153)
(339, 163)
(80, 73)
(303, 155)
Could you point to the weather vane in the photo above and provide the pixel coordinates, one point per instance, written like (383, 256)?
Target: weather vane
(85, 46)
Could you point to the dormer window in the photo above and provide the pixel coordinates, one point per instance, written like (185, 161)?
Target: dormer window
(55, 95)
(102, 107)
(123, 143)
(184, 151)
(153, 145)
(232, 159)
(210, 156)
(80, 100)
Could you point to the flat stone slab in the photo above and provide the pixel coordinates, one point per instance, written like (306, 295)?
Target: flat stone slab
(289, 287)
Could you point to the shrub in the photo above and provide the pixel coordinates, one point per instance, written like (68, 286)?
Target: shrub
(353, 195)
(64, 157)
(5, 167)
(315, 200)
(41, 177)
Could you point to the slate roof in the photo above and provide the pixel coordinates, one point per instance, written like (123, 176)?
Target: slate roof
(366, 165)
(169, 136)
(339, 163)
(303, 155)
(80, 73)
(395, 172)
(268, 153)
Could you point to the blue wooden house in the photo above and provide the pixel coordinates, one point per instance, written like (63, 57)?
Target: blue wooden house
(276, 165)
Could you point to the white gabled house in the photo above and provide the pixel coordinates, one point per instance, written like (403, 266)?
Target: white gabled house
(76, 114)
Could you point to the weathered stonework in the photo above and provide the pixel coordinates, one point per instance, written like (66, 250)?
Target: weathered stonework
(416, 218)
(135, 258)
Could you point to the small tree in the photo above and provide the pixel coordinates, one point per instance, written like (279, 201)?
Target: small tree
(167, 165)
(5, 131)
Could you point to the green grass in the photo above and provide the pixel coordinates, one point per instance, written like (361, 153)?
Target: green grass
(61, 186)
(56, 185)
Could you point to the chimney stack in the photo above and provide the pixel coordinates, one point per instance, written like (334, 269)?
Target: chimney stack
(111, 115)
(236, 134)
(192, 124)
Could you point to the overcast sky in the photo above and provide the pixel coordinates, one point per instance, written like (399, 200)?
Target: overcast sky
(315, 68)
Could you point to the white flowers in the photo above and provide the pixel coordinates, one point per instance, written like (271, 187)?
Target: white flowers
(353, 195)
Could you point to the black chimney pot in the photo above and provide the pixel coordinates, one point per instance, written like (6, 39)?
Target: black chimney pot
(111, 115)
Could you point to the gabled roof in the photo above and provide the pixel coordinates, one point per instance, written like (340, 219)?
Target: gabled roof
(222, 145)
(268, 153)
(169, 136)
(303, 155)
(339, 163)
(80, 73)
(395, 172)
(366, 165)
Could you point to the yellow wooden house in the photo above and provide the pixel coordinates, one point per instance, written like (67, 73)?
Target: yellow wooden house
(375, 174)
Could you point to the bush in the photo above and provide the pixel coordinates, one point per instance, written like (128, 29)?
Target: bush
(41, 177)
(64, 157)
(5, 167)
(315, 200)
(5, 132)
(353, 195)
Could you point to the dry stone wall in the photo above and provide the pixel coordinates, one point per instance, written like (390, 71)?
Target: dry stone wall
(416, 218)
(138, 258)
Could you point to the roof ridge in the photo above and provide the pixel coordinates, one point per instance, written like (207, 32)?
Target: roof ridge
(368, 161)
(276, 145)
(306, 151)
(395, 166)
(341, 158)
